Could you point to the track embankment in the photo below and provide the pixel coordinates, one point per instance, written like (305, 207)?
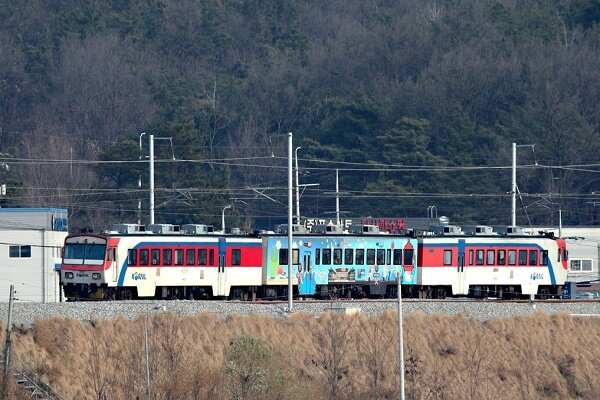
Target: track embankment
(27, 313)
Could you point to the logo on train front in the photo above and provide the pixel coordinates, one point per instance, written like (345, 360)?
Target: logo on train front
(136, 276)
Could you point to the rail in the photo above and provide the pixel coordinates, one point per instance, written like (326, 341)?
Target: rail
(31, 381)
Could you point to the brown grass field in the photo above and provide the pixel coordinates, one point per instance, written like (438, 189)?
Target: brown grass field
(335, 356)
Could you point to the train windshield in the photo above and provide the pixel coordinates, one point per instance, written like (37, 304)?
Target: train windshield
(89, 251)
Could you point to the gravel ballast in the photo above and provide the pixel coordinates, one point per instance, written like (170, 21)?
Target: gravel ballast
(27, 313)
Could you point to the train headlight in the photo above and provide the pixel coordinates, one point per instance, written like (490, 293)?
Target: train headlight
(96, 276)
(68, 275)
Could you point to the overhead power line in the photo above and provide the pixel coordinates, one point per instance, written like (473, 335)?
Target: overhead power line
(342, 165)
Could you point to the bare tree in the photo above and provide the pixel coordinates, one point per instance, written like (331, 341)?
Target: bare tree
(479, 367)
(215, 119)
(336, 342)
(377, 352)
(102, 378)
(100, 97)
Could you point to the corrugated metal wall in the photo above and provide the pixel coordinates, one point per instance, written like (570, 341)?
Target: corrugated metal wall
(36, 237)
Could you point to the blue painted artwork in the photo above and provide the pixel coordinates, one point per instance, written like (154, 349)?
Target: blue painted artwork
(321, 260)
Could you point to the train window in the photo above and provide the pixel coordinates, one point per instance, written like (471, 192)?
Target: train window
(544, 260)
(512, 257)
(167, 256)
(380, 257)
(211, 257)
(190, 255)
(155, 256)
(533, 257)
(326, 256)
(501, 257)
(565, 254)
(491, 257)
(471, 257)
(479, 257)
(360, 257)
(408, 256)
(348, 256)
(337, 256)
(132, 257)
(370, 256)
(388, 256)
(236, 257)
(522, 257)
(317, 256)
(201, 256)
(283, 257)
(178, 256)
(110, 254)
(397, 257)
(447, 257)
(144, 257)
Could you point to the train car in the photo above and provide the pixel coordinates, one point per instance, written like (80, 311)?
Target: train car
(131, 263)
(330, 263)
(486, 264)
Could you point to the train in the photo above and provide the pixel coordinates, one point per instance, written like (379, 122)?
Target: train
(327, 262)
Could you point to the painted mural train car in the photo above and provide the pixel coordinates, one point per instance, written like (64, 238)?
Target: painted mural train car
(194, 262)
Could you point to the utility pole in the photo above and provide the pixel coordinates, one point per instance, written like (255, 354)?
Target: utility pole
(151, 179)
(297, 188)
(559, 222)
(513, 189)
(149, 392)
(7, 351)
(400, 337)
(337, 197)
(223, 217)
(290, 212)
(151, 149)
(140, 184)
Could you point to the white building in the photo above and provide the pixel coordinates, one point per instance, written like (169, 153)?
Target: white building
(31, 240)
(583, 244)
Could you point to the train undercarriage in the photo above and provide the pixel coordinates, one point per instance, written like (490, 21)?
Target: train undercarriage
(324, 292)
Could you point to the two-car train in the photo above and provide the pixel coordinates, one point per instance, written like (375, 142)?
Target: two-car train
(195, 263)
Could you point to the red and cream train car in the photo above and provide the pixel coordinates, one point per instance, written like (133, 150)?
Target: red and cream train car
(125, 265)
(485, 264)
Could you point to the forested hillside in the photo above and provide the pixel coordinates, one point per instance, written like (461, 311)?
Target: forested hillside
(415, 103)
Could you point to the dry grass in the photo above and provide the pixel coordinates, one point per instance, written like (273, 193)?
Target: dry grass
(331, 357)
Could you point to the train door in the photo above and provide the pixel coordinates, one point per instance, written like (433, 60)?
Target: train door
(221, 270)
(306, 262)
(463, 287)
(114, 265)
(306, 280)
